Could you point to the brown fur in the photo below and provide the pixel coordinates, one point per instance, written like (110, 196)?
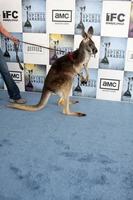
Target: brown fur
(61, 74)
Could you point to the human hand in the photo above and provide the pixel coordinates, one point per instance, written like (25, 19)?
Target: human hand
(14, 39)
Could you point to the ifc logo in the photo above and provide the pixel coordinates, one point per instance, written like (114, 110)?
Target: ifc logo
(115, 18)
(7, 14)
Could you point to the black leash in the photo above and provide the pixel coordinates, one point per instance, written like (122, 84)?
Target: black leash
(16, 48)
(44, 47)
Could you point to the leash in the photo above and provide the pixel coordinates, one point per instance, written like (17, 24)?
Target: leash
(44, 47)
(16, 48)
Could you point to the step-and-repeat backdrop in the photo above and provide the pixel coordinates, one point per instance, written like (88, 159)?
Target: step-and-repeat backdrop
(58, 24)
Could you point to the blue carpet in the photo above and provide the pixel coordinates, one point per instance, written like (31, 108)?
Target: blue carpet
(49, 156)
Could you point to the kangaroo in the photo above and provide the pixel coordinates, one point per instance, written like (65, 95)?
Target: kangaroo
(61, 74)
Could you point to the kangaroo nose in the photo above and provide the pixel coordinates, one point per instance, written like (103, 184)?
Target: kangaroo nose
(94, 50)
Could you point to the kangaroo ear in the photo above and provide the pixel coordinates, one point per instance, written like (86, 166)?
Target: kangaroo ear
(84, 34)
(90, 31)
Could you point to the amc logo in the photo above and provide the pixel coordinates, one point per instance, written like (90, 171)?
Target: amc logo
(17, 76)
(10, 14)
(115, 17)
(61, 15)
(109, 84)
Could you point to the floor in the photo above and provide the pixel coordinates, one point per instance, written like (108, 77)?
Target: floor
(46, 155)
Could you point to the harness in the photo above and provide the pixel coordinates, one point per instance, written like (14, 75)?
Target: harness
(70, 56)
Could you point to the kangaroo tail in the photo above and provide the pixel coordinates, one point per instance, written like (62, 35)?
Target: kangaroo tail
(42, 103)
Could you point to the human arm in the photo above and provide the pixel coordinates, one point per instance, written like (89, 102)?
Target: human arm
(4, 32)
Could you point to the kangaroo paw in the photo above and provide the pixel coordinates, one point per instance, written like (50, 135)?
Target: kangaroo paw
(73, 102)
(78, 114)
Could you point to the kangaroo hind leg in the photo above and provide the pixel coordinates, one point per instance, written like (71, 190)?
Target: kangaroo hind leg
(66, 108)
(61, 101)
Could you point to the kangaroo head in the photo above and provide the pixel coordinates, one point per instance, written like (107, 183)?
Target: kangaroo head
(87, 42)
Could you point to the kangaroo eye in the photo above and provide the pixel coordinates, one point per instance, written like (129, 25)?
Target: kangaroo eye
(91, 45)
